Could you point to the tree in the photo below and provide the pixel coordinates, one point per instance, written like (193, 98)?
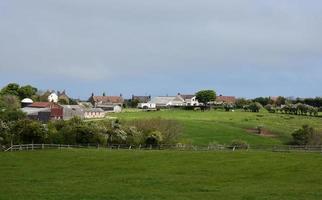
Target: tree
(62, 102)
(27, 91)
(134, 103)
(263, 100)
(206, 96)
(255, 107)
(10, 89)
(28, 131)
(10, 102)
(280, 101)
(241, 102)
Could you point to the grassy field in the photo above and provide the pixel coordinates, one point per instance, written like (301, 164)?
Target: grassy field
(223, 127)
(100, 174)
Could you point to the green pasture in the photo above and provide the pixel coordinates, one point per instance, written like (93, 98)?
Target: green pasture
(223, 127)
(76, 174)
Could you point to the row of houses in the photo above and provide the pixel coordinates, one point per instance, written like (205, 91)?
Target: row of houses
(98, 106)
(182, 100)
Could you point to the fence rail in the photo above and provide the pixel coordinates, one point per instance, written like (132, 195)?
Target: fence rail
(179, 147)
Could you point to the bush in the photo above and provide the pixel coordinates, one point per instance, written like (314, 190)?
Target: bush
(306, 136)
(239, 144)
(169, 129)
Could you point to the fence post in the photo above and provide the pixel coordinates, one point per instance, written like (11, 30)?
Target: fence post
(42, 146)
(140, 147)
(98, 146)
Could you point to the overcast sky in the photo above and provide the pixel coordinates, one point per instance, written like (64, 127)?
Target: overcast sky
(245, 48)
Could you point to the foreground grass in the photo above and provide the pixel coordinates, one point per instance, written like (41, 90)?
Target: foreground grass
(223, 127)
(101, 174)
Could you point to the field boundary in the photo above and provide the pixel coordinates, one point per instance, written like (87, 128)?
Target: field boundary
(178, 147)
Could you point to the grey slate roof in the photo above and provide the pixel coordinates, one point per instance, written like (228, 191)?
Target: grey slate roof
(34, 111)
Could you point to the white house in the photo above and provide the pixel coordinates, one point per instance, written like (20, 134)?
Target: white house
(147, 105)
(53, 97)
(189, 100)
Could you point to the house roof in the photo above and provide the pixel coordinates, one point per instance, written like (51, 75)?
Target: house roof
(40, 104)
(27, 100)
(226, 99)
(162, 100)
(187, 96)
(34, 111)
(141, 98)
(43, 105)
(108, 99)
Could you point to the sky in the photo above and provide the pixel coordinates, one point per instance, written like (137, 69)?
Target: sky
(245, 48)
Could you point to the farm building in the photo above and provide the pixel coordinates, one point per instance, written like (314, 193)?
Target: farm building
(90, 113)
(26, 102)
(107, 103)
(44, 111)
(71, 111)
(167, 101)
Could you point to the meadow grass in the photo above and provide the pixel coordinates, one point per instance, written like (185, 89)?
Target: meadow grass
(223, 127)
(115, 175)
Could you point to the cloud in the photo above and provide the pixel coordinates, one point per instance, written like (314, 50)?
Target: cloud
(97, 40)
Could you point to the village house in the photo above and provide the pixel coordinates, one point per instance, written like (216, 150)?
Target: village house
(62, 97)
(189, 99)
(107, 103)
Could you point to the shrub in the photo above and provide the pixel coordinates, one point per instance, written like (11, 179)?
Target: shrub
(170, 129)
(240, 144)
(307, 136)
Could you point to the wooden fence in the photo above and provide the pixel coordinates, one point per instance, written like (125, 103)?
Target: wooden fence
(178, 147)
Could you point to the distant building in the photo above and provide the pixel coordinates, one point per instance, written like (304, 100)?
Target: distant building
(53, 97)
(225, 99)
(147, 106)
(91, 113)
(167, 101)
(70, 111)
(62, 97)
(189, 99)
(44, 111)
(107, 103)
(141, 99)
(26, 102)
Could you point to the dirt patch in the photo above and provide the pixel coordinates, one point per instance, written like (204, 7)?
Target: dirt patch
(263, 132)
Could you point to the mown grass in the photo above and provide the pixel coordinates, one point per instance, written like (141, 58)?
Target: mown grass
(222, 127)
(115, 175)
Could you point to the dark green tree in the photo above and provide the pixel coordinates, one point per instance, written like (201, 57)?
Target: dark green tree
(206, 96)
(27, 91)
(10, 89)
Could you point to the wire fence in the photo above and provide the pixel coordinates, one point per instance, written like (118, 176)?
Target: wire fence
(177, 147)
